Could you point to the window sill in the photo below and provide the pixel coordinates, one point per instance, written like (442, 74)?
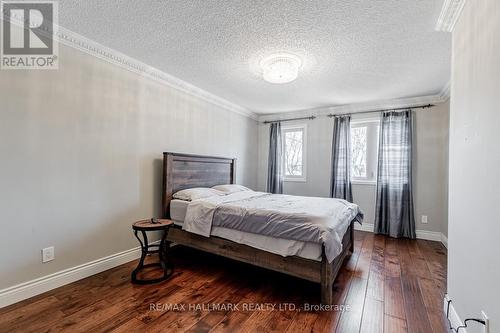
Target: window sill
(364, 182)
(295, 180)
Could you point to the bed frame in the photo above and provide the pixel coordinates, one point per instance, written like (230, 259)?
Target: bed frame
(181, 171)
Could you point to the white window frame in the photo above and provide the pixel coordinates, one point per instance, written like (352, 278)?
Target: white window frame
(284, 129)
(371, 150)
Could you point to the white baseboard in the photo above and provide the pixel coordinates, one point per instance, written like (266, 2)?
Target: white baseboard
(368, 227)
(43, 284)
(421, 234)
(453, 316)
(429, 235)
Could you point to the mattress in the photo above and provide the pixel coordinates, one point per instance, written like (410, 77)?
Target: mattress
(280, 246)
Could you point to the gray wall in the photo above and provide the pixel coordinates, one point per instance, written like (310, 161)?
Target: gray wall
(474, 229)
(430, 167)
(81, 158)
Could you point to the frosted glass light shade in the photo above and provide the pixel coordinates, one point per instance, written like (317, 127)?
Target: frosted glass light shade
(280, 68)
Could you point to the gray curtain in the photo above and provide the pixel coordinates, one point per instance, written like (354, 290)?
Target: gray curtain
(274, 167)
(341, 159)
(394, 209)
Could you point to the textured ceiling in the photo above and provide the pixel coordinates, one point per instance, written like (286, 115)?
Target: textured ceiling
(354, 51)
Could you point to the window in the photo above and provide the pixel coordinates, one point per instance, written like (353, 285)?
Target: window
(358, 153)
(364, 151)
(294, 152)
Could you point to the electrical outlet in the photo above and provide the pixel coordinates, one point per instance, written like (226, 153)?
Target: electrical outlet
(48, 254)
(486, 327)
(424, 219)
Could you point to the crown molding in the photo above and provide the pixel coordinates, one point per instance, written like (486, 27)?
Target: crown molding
(86, 45)
(449, 15)
(354, 108)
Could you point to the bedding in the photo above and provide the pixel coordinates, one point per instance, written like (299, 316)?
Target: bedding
(178, 210)
(195, 193)
(307, 219)
(280, 246)
(230, 188)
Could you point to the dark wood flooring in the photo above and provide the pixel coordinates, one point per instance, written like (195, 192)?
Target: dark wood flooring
(389, 285)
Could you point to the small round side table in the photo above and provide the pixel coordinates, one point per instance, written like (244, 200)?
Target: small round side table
(162, 249)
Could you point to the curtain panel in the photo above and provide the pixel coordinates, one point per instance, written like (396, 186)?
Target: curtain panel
(274, 162)
(341, 159)
(394, 214)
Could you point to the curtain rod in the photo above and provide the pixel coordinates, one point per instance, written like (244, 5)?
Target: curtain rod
(426, 106)
(289, 119)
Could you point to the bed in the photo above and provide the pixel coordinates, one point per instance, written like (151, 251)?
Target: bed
(300, 259)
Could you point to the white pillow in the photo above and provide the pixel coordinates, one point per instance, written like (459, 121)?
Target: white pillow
(231, 188)
(194, 193)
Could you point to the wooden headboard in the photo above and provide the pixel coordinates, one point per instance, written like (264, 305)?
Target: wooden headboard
(181, 171)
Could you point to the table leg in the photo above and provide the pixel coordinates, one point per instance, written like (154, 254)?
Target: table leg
(164, 263)
(144, 252)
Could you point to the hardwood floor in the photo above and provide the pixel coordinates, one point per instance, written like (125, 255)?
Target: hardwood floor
(389, 285)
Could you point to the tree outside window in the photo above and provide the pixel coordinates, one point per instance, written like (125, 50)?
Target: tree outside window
(294, 152)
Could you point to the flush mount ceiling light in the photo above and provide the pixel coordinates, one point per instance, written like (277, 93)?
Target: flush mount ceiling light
(280, 67)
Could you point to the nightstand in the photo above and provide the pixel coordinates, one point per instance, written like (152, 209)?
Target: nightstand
(162, 248)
